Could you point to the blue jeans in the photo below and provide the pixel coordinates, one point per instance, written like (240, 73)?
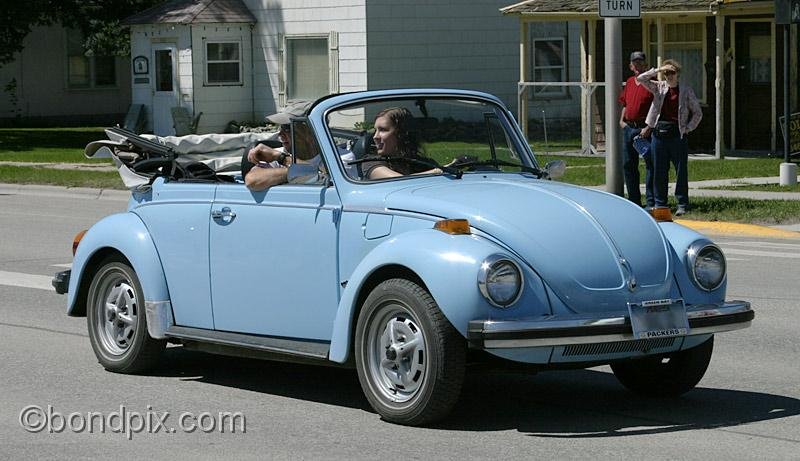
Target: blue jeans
(673, 150)
(630, 169)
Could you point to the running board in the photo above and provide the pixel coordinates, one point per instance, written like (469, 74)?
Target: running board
(283, 346)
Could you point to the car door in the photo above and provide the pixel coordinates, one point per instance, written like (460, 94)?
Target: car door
(273, 258)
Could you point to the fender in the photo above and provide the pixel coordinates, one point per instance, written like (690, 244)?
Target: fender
(681, 237)
(126, 233)
(448, 264)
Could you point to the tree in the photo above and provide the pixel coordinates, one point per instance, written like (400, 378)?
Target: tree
(98, 20)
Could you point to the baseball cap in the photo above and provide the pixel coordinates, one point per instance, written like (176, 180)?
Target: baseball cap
(638, 56)
(294, 108)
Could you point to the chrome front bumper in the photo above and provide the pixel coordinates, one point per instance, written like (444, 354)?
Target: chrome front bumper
(560, 330)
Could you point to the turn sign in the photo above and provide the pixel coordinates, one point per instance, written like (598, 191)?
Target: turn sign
(619, 8)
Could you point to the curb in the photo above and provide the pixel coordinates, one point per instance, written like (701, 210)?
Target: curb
(744, 230)
(60, 191)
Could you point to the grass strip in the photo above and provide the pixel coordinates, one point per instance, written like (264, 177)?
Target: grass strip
(56, 177)
(758, 187)
(742, 210)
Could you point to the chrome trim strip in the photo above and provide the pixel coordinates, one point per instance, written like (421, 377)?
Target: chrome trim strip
(283, 346)
(159, 318)
(393, 212)
(697, 312)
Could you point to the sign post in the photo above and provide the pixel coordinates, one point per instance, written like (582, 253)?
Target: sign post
(612, 11)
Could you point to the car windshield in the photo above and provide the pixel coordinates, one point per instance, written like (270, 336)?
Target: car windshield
(391, 138)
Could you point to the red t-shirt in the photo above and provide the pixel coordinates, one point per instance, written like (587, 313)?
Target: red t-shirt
(636, 100)
(669, 110)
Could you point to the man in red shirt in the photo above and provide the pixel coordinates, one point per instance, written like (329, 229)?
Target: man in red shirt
(635, 100)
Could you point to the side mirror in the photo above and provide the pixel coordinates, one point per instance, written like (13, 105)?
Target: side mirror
(303, 173)
(555, 169)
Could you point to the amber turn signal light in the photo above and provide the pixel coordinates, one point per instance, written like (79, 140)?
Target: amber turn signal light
(77, 240)
(661, 214)
(453, 226)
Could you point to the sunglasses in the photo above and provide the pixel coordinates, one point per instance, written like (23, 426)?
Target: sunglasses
(286, 128)
(669, 72)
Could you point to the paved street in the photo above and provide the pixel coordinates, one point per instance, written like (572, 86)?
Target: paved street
(746, 407)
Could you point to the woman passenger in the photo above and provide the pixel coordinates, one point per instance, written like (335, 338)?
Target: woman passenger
(394, 138)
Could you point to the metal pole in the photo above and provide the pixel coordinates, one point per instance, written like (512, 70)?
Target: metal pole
(788, 170)
(613, 50)
(544, 122)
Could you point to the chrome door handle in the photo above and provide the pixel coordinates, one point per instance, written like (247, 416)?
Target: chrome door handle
(225, 214)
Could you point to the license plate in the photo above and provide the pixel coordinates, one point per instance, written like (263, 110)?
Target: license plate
(659, 318)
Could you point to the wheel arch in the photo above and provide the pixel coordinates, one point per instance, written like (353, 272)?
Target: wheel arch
(122, 234)
(445, 265)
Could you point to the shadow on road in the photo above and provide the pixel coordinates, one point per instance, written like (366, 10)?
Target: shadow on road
(559, 404)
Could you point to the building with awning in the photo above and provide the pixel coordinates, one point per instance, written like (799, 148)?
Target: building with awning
(731, 52)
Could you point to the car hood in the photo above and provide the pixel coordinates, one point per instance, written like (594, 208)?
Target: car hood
(597, 251)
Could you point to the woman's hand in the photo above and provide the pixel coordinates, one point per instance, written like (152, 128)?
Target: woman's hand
(667, 68)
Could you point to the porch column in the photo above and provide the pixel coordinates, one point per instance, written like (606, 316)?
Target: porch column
(591, 77)
(586, 134)
(522, 91)
(719, 85)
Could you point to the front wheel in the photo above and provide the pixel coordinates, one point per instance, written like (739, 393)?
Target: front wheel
(410, 359)
(115, 314)
(665, 376)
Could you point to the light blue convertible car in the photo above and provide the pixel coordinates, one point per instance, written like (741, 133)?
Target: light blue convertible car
(466, 252)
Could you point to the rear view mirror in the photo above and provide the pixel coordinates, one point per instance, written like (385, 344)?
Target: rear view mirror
(555, 169)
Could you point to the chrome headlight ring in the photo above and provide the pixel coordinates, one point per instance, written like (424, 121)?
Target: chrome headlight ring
(500, 280)
(703, 258)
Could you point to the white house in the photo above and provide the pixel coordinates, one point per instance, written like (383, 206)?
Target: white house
(242, 59)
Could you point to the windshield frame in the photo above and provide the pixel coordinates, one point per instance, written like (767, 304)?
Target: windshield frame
(504, 116)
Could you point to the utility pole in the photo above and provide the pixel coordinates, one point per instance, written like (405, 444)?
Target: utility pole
(613, 70)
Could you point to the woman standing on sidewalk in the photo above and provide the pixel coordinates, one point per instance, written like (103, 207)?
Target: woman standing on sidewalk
(670, 122)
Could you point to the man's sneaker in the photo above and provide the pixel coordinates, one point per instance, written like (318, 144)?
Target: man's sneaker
(680, 211)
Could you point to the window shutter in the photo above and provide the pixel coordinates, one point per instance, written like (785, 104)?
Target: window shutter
(283, 70)
(333, 56)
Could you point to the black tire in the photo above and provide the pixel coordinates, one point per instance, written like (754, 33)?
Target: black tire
(417, 378)
(115, 315)
(665, 376)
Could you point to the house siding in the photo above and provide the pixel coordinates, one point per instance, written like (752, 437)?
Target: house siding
(437, 43)
(280, 18)
(42, 94)
(221, 104)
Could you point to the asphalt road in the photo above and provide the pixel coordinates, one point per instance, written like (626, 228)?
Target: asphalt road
(746, 407)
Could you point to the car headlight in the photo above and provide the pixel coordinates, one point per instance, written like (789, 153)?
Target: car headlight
(706, 265)
(500, 280)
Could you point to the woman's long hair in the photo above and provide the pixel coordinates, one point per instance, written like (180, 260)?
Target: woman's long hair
(400, 117)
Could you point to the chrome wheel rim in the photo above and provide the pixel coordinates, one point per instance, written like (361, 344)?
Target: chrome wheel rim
(117, 310)
(397, 358)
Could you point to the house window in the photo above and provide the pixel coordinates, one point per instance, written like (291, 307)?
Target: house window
(549, 66)
(307, 67)
(88, 71)
(223, 63)
(683, 42)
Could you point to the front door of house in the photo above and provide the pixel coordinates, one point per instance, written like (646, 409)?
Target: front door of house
(165, 88)
(753, 85)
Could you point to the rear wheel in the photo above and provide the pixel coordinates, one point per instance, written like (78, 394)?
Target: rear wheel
(410, 359)
(115, 314)
(665, 376)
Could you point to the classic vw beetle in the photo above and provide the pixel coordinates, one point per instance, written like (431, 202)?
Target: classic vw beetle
(477, 256)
